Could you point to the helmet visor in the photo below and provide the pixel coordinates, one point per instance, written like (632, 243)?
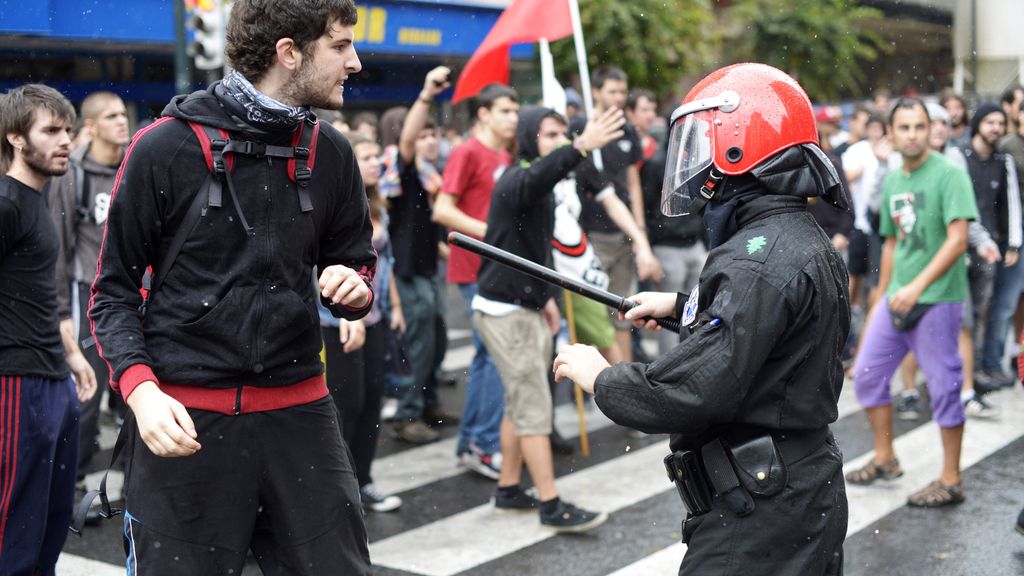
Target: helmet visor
(691, 150)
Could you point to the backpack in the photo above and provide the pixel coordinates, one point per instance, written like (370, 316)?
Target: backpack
(218, 151)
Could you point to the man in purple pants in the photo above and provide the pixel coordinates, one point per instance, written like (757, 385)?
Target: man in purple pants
(924, 214)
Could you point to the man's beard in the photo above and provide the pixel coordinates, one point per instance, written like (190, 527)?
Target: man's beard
(36, 161)
(302, 90)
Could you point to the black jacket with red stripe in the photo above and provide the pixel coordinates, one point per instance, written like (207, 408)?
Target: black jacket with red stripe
(233, 309)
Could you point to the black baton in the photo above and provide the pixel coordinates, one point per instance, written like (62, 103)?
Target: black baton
(550, 276)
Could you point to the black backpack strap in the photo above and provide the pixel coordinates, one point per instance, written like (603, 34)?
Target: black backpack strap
(219, 165)
(300, 167)
(106, 510)
(188, 223)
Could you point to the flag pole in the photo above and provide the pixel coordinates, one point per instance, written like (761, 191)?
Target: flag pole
(581, 57)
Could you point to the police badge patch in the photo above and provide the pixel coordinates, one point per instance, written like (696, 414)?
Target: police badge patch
(690, 310)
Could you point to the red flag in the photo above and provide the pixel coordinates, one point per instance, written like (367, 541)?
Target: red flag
(522, 21)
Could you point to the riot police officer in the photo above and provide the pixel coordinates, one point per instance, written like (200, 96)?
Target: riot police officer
(748, 394)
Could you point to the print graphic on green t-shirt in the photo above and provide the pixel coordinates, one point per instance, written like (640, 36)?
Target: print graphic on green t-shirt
(904, 208)
(755, 244)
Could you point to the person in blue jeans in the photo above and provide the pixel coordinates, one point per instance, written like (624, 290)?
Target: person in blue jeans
(462, 205)
(479, 446)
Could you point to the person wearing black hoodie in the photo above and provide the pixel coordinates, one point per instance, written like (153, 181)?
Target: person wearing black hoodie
(235, 443)
(749, 393)
(517, 315)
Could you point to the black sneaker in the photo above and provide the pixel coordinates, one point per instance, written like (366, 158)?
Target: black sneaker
(1020, 522)
(908, 405)
(568, 518)
(521, 501)
(374, 499)
(1000, 378)
(984, 383)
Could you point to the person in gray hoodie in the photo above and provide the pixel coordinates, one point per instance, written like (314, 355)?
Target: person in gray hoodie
(78, 203)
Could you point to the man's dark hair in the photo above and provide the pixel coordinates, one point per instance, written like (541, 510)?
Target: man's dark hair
(634, 98)
(18, 112)
(490, 94)
(605, 73)
(908, 102)
(948, 94)
(255, 27)
(1010, 93)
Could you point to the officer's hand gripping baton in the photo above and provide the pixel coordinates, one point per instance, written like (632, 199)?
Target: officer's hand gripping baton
(548, 275)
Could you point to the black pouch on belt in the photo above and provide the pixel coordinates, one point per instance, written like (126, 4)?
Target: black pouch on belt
(759, 466)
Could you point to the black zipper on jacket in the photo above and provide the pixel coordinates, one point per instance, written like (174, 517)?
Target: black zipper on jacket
(264, 261)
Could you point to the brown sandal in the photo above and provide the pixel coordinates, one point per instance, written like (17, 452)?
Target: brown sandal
(936, 495)
(870, 472)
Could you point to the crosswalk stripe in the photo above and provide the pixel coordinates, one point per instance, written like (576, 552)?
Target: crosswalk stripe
(71, 565)
(664, 561)
(480, 534)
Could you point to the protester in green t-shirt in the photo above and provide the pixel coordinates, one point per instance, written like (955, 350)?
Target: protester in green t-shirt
(924, 216)
(917, 207)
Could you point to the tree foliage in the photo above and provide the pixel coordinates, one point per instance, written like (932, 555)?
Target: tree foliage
(822, 43)
(656, 42)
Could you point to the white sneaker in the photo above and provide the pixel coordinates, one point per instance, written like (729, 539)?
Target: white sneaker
(377, 501)
(388, 409)
(976, 407)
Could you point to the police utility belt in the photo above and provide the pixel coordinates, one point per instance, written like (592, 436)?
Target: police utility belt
(739, 471)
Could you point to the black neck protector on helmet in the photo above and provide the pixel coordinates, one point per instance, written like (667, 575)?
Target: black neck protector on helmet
(803, 171)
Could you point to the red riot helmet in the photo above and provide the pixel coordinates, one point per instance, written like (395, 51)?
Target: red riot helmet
(729, 124)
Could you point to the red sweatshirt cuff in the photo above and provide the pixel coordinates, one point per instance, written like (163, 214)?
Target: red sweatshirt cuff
(132, 377)
(369, 302)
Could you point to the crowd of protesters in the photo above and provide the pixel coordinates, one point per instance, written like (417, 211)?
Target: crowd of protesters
(934, 233)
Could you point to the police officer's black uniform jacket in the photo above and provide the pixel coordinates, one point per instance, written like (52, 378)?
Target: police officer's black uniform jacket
(771, 318)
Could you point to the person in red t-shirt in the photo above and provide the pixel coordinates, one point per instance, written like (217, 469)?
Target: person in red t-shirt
(462, 206)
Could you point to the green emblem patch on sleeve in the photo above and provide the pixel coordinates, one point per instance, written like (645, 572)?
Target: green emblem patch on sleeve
(756, 244)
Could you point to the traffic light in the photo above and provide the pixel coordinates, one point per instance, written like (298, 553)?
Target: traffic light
(207, 23)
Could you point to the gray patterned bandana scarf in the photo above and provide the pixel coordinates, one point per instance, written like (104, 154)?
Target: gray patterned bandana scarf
(261, 110)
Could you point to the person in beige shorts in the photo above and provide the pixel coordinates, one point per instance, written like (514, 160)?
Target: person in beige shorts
(517, 316)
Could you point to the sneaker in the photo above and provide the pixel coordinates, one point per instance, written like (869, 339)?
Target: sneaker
(984, 383)
(568, 518)
(375, 500)
(486, 465)
(1020, 522)
(977, 407)
(1000, 378)
(908, 405)
(522, 501)
(415, 432)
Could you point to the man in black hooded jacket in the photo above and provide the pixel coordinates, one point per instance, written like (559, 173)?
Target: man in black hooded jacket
(748, 395)
(516, 314)
(236, 444)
